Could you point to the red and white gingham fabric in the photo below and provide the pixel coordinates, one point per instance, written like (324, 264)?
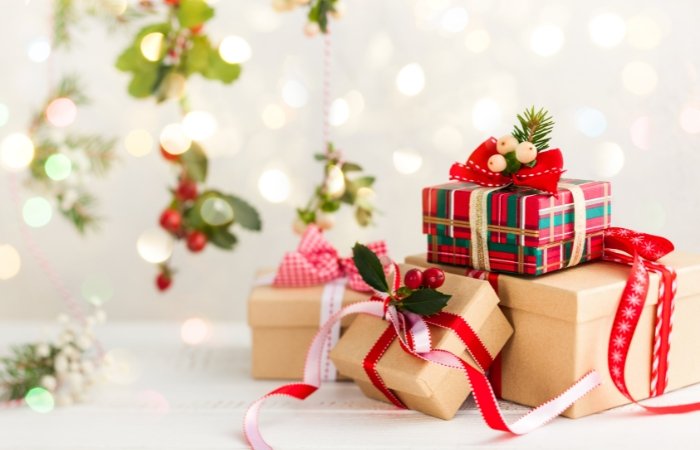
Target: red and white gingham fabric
(316, 262)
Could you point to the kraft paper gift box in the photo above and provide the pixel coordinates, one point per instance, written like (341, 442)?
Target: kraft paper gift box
(528, 232)
(562, 324)
(430, 388)
(283, 323)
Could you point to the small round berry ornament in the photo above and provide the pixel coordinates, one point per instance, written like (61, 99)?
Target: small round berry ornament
(413, 279)
(186, 190)
(526, 152)
(497, 163)
(506, 144)
(163, 281)
(171, 220)
(196, 241)
(433, 278)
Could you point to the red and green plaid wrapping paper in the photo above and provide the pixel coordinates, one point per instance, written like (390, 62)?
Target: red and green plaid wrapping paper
(528, 232)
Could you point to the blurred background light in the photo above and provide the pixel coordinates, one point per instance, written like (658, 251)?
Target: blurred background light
(199, 125)
(4, 114)
(381, 48)
(97, 289)
(448, 139)
(639, 78)
(235, 50)
(607, 30)
(61, 112)
(152, 46)
(294, 94)
(477, 41)
(138, 143)
(39, 400)
(58, 167)
(155, 245)
(16, 151)
(195, 331)
(591, 122)
(174, 139)
(10, 262)
(274, 117)
(116, 7)
(608, 159)
(547, 40)
(39, 50)
(643, 33)
(340, 112)
(216, 211)
(486, 115)
(690, 119)
(407, 161)
(37, 212)
(454, 19)
(274, 186)
(410, 80)
(640, 132)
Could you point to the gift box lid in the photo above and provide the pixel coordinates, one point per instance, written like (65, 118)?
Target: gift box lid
(516, 215)
(270, 306)
(582, 293)
(474, 300)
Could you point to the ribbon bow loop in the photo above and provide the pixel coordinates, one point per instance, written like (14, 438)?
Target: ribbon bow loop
(648, 246)
(543, 176)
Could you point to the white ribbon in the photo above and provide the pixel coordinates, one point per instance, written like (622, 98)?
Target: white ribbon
(579, 222)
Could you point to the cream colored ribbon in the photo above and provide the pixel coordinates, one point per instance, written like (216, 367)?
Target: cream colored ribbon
(579, 222)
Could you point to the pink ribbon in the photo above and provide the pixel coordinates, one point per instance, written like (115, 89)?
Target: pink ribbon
(317, 262)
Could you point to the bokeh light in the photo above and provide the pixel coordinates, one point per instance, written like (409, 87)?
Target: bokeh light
(690, 119)
(448, 139)
(639, 78)
(58, 167)
(195, 331)
(174, 140)
(407, 161)
(155, 245)
(274, 117)
(640, 132)
(410, 80)
(199, 125)
(152, 46)
(97, 289)
(294, 94)
(366, 197)
(138, 143)
(4, 114)
(37, 212)
(61, 112)
(607, 30)
(16, 151)
(263, 18)
(477, 41)
(235, 50)
(381, 48)
(116, 7)
(356, 101)
(274, 185)
(486, 115)
(39, 50)
(39, 400)
(608, 159)
(216, 211)
(591, 122)
(340, 112)
(454, 19)
(335, 181)
(547, 40)
(10, 262)
(643, 33)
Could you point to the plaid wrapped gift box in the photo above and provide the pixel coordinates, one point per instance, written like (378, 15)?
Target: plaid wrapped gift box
(527, 232)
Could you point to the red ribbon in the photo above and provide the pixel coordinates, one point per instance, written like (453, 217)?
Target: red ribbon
(544, 175)
(316, 262)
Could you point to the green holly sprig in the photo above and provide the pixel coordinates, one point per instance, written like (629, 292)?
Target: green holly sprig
(319, 12)
(185, 50)
(342, 184)
(89, 155)
(424, 301)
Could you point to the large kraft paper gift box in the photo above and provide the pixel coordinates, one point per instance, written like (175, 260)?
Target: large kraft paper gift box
(527, 231)
(430, 388)
(283, 323)
(562, 324)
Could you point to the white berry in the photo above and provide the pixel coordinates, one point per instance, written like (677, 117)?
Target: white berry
(506, 144)
(43, 350)
(325, 221)
(526, 152)
(299, 226)
(311, 29)
(60, 364)
(497, 163)
(49, 383)
(338, 10)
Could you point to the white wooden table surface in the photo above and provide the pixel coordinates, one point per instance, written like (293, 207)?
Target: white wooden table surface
(171, 397)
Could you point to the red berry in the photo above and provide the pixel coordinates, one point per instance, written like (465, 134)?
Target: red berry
(171, 220)
(413, 279)
(433, 278)
(197, 28)
(186, 190)
(169, 156)
(163, 282)
(196, 241)
(172, 2)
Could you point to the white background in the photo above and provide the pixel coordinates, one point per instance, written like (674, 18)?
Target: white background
(655, 190)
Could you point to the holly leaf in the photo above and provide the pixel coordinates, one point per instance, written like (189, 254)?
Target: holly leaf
(320, 157)
(197, 57)
(425, 302)
(370, 267)
(363, 217)
(191, 13)
(218, 69)
(195, 163)
(330, 206)
(361, 182)
(222, 238)
(244, 213)
(351, 167)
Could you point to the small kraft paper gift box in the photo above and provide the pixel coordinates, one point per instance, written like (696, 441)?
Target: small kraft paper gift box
(524, 231)
(423, 386)
(286, 306)
(563, 323)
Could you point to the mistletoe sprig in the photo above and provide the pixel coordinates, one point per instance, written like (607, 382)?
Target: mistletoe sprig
(62, 162)
(530, 136)
(318, 15)
(164, 55)
(419, 294)
(342, 184)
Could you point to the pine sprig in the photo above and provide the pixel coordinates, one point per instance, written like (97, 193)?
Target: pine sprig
(534, 127)
(24, 369)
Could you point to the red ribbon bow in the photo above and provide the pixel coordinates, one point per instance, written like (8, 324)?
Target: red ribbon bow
(544, 175)
(317, 262)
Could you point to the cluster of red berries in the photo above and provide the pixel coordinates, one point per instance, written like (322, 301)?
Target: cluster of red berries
(431, 278)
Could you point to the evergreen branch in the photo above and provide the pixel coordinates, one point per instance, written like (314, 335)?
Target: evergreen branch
(64, 16)
(535, 127)
(80, 212)
(98, 150)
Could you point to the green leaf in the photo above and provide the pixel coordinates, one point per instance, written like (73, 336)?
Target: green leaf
(361, 182)
(244, 214)
(330, 206)
(370, 267)
(191, 13)
(196, 59)
(351, 167)
(195, 163)
(320, 157)
(218, 69)
(425, 302)
(363, 217)
(512, 163)
(222, 238)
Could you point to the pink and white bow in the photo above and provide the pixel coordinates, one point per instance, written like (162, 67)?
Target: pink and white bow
(317, 262)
